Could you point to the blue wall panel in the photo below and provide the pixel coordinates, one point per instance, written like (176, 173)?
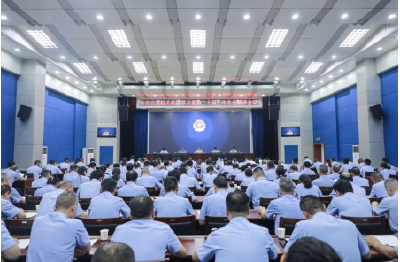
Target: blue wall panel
(106, 154)
(291, 151)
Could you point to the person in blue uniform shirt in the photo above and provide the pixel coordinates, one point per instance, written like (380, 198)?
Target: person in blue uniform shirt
(157, 172)
(286, 206)
(79, 162)
(107, 205)
(316, 164)
(386, 160)
(346, 166)
(389, 205)
(335, 172)
(310, 249)
(91, 168)
(51, 185)
(378, 187)
(261, 188)
(189, 181)
(116, 175)
(42, 181)
(36, 169)
(92, 188)
(131, 189)
(366, 168)
(73, 172)
(61, 229)
(148, 238)
(357, 190)
(239, 240)
(137, 167)
(307, 170)
(132, 160)
(234, 172)
(15, 174)
(148, 181)
(192, 171)
(306, 159)
(305, 187)
(241, 176)
(280, 173)
(360, 163)
(183, 150)
(15, 196)
(8, 210)
(53, 167)
(357, 178)
(270, 174)
(323, 179)
(293, 174)
(9, 246)
(183, 190)
(209, 179)
(249, 177)
(80, 177)
(164, 151)
(342, 235)
(233, 150)
(65, 165)
(168, 165)
(172, 205)
(386, 171)
(227, 168)
(215, 205)
(347, 203)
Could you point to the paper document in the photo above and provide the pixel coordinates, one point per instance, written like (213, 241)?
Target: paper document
(388, 240)
(23, 243)
(30, 214)
(198, 212)
(92, 241)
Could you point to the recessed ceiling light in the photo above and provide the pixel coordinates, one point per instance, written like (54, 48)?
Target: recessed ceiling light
(163, 57)
(232, 56)
(62, 57)
(95, 57)
(224, 78)
(119, 38)
(341, 70)
(100, 17)
(3, 17)
(379, 48)
(334, 57)
(42, 38)
(16, 49)
(276, 78)
(198, 38)
(198, 67)
(85, 87)
(198, 95)
(140, 68)
(198, 17)
(176, 95)
(119, 79)
(219, 95)
(197, 78)
(344, 16)
(67, 77)
(83, 68)
(95, 78)
(255, 68)
(340, 81)
(300, 56)
(198, 57)
(392, 16)
(305, 89)
(91, 90)
(266, 56)
(172, 78)
(149, 17)
(321, 81)
(263, 95)
(246, 17)
(313, 67)
(76, 82)
(276, 37)
(295, 16)
(330, 76)
(355, 36)
(313, 86)
(133, 95)
(56, 72)
(129, 57)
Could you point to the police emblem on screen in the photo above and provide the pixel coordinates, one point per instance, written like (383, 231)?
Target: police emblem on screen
(199, 125)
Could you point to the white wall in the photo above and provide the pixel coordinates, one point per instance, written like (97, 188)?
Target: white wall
(10, 62)
(65, 88)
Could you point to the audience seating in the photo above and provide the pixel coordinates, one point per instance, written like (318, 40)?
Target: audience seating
(189, 198)
(192, 188)
(29, 175)
(61, 177)
(32, 201)
(232, 177)
(295, 181)
(313, 177)
(64, 170)
(206, 189)
(394, 176)
(265, 201)
(289, 224)
(367, 189)
(243, 188)
(326, 200)
(153, 191)
(237, 182)
(214, 222)
(326, 190)
(368, 174)
(30, 191)
(94, 225)
(368, 225)
(84, 202)
(19, 227)
(180, 225)
(127, 199)
(375, 199)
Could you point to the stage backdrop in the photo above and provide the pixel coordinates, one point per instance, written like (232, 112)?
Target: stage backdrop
(174, 130)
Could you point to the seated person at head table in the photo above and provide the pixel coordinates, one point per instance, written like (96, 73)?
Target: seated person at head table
(347, 203)
(114, 252)
(307, 170)
(60, 228)
(157, 172)
(249, 177)
(342, 235)
(233, 150)
(49, 200)
(335, 172)
(305, 187)
(189, 181)
(386, 160)
(228, 243)
(183, 150)
(107, 205)
(390, 252)
(52, 166)
(183, 190)
(36, 169)
(148, 181)
(15, 196)
(9, 246)
(261, 187)
(357, 190)
(357, 178)
(131, 189)
(8, 210)
(116, 175)
(280, 173)
(51, 184)
(386, 171)
(323, 180)
(389, 205)
(286, 206)
(65, 164)
(215, 150)
(378, 187)
(310, 249)
(142, 230)
(164, 151)
(366, 168)
(198, 150)
(293, 174)
(306, 159)
(172, 205)
(42, 181)
(92, 188)
(270, 174)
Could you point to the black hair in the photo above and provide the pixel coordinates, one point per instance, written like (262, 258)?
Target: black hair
(384, 165)
(311, 204)
(294, 168)
(189, 163)
(243, 168)
(343, 186)
(51, 162)
(73, 167)
(107, 165)
(310, 249)
(114, 252)
(5, 189)
(235, 165)
(346, 177)
(367, 162)
(183, 170)
(146, 163)
(92, 164)
(386, 160)
(109, 185)
(53, 180)
(237, 202)
(209, 169)
(328, 162)
(229, 162)
(280, 171)
(96, 174)
(116, 171)
(175, 173)
(45, 173)
(37, 162)
(307, 164)
(170, 183)
(116, 165)
(166, 163)
(141, 207)
(346, 161)
(248, 172)
(306, 180)
(295, 160)
(270, 164)
(129, 167)
(131, 176)
(220, 181)
(355, 171)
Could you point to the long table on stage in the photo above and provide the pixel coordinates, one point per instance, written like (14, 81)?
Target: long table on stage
(202, 156)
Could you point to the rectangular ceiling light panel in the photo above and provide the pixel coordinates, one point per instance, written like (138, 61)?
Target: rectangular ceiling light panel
(83, 68)
(43, 39)
(313, 67)
(140, 68)
(198, 38)
(119, 38)
(198, 67)
(276, 37)
(354, 37)
(255, 68)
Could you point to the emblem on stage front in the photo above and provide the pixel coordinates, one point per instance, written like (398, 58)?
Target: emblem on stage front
(199, 125)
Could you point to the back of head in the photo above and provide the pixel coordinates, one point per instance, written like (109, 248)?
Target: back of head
(346, 161)
(129, 167)
(323, 169)
(386, 160)
(367, 162)
(5, 189)
(377, 177)
(248, 172)
(343, 186)
(229, 162)
(52, 180)
(286, 185)
(73, 168)
(243, 168)
(96, 175)
(310, 249)
(92, 164)
(346, 176)
(306, 180)
(294, 168)
(270, 164)
(82, 170)
(116, 171)
(316, 160)
(258, 172)
(11, 163)
(116, 165)
(384, 165)
(311, 204)
(4, 177)
(209, 169)
(66, 200)
(45, 174)
(355, 171)
(141, 207)
(220, 181)
(360, 160)
(235, 165)
(176, 174)
(146, 163)
(336, 168)
(131, 176)
(280, 171)
(114, 252)
(77, 160)
(145, 170)
(295, 160)
(37, 162)
(189, 163)
(170, 183)
(391, 183)
(166, 163)
(307, 164)
(183, 170)
(237, 203)
(64, 184)
(52, 162)
(108, 185)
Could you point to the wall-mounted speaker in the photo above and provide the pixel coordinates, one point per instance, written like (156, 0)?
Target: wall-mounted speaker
(123, 112)
(24, 112)
(274, 112)
(377, 112)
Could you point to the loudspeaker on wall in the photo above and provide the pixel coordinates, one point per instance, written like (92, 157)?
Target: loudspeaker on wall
(273, 112)
(123, 112)
(24, 112)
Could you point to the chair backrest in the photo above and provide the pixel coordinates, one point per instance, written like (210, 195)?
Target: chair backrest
(326, 200)
(32, 201)
(314, 169)
(206, 189)
(295, 181)
(192, 188)
(84, 202)
(237, 182)
(313, 177)
(64, 170)
(232, 177)
(326, 190)
(94, 225)
(19, 227)
(394, 176)
(369, 180)
(214, 222)
(367, 190)
(375, 199)
(30, 191)
(29, 175)
(60, 177)
(76, 189)
(180, 225)
(127, 199)
(243, 188)
(368, 225)
(152, 191)
(289, 224)
(265, 201)
(368, 174)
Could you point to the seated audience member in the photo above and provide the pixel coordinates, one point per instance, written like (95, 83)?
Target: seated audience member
(310, 249)
(49, 200)
(91, 168)
(241, 176)
(142, 229)
(333, 162)
(207, 171)
(80, 178)
(305, 187)
(8, 210)
(137, 167)
(227, 168)
(228, 243)
(357, 190)
(92, 188)
(280, 163)
(123, 171)
(51, 185)
(261, 187)
(249, 177)
(157, 173)
(360, 163)
(9, 246)
(148, 181)
(335, 172)
(390, 252)
(189, 181)
(386, 171)
(378, 187)
(346, 166)
(106, 205)
(389, 205)
(9, 164)
(323, 179)
(131, 189)
(73, 172)
(65, 165)
(208, 180)
(36, 169)
(357, 179)
(172, 205)
(328, 164)
(42, 181)
(286, 206)
(108, 171)
(342, 235)
(15, 196)
(168, 165)
(293, 174)
(366, 168)
(270, 175)
(116, 175)
(52, 166)
(61, 229)
(295, 162)
(306, 159)
(316, 163)
(235, 171)
(347, 203)
(386, 160)
(280, 173)
(113, 252)
(15, 174)
(192, 171)
(307, 170)
(79, 162)
(183, 190)
(132, 160)
(215, 204)
(351, 163)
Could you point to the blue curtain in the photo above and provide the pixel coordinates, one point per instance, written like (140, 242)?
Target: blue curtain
(257, 131)
(140, 133)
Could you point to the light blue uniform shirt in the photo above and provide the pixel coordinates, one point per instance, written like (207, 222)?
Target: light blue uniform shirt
(35, 170)
(262, 188)
(307, 171)
(287, 206)
(247, 181)
(390, 205)
(357, 190)
(209, 180)
(78, 180)
(54, 238)
(53, 169)
(234, 172)
(44, 190)
(334, 176)
(65, 165)
(239, 240)
(15, 196)
(366, 169)
(138, 171)
(294, 175)
(270, 175)
(123, 173)
(148, 181)
(240, 176)
(192, 172)
(378, 190)
(279, 180)
(89, 189)
(120, 183)
(189, 181)
(341, 235)
(226, 169)
(359, 181)
(106, 205)
(183, 191)
(172, 206)
(346, 168)
(138, 234)
(79, 164)
(49, 201)
(350, 205)
(212, 192)
(69, 176)
(323, 181)
(214, 205)
(14, 175)
(302, 191)
(158, 174)
(40, 182)
(386, 172)
(6, 240)
(8, 210)
(132, 190)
